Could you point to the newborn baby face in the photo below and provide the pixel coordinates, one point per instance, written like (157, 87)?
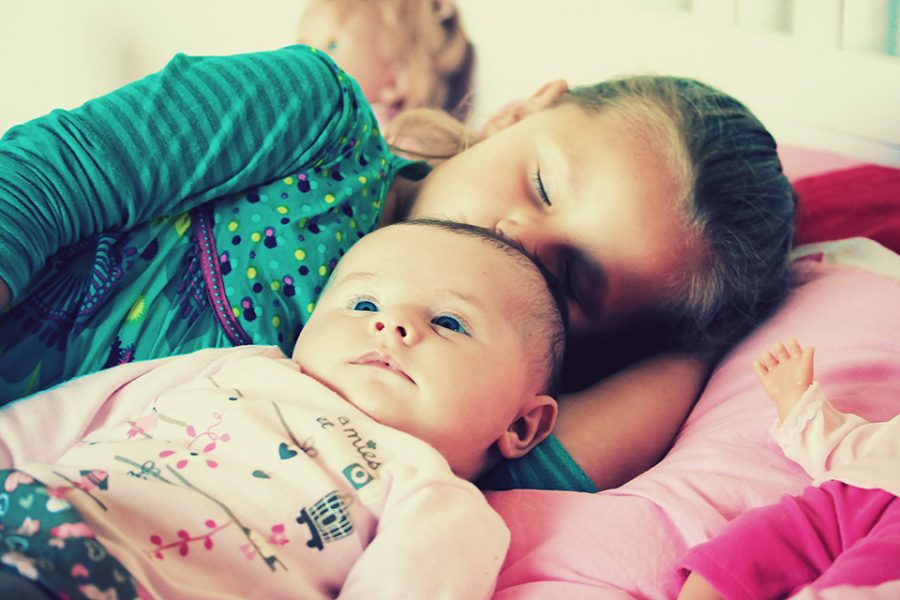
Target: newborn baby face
(432, 332)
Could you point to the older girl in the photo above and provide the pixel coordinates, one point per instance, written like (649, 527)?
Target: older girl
(207, 204)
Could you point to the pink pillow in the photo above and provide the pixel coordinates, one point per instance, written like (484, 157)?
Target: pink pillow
(799, 162)
(624, 542)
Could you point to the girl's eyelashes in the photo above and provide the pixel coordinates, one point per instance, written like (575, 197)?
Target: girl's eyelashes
(539, 188)
(452, 323)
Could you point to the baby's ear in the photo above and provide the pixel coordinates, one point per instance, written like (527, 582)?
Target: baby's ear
(534, 423)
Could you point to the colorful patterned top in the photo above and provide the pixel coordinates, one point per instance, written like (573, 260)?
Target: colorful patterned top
(273, 486)
(203, 206)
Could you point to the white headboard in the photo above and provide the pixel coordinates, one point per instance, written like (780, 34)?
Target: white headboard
(821, 73)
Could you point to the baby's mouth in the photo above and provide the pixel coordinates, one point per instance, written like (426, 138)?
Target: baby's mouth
(382, 361)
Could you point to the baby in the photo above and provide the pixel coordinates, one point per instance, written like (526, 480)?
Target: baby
(339, 471)
(403, 53)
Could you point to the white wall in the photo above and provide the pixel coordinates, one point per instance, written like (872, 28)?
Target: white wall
(62, 52)
(59, 53)
(806, 87)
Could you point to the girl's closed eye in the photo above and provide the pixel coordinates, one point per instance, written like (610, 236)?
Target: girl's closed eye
(452, 323)
(540, 190)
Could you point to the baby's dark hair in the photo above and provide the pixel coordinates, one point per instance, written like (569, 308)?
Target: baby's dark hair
(550, 308)
(736, 197)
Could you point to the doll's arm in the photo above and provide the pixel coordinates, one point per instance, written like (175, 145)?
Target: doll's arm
(624, 424)
(810, 430)
(821, 438)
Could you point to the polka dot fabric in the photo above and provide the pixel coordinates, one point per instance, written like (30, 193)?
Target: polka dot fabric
(303, 172)
(278, 243)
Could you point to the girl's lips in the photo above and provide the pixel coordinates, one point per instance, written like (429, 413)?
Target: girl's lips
(383, 361)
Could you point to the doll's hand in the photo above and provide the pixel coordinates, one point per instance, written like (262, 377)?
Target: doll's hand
(785, 373)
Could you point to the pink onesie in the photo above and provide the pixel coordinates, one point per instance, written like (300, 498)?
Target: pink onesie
(228, 473)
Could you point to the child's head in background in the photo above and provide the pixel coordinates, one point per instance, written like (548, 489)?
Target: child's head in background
(404, 53)
(444, 331)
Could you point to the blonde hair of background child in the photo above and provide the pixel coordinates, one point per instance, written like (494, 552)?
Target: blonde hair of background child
(426, 43)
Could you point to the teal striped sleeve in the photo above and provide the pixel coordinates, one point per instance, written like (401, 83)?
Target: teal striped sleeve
(201, 128)
(547, 467)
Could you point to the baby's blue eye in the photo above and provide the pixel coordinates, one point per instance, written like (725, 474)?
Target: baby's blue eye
(365, 305)
(448, 322)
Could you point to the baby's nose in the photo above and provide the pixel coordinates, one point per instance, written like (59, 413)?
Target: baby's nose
(399, 329)
(398, 325)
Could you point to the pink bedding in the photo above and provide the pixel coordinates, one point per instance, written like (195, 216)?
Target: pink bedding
(623, 542)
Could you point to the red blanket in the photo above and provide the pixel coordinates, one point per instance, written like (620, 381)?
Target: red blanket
(860, 201)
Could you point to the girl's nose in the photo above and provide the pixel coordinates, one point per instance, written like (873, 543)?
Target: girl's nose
(523, 225)
(533, 236)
